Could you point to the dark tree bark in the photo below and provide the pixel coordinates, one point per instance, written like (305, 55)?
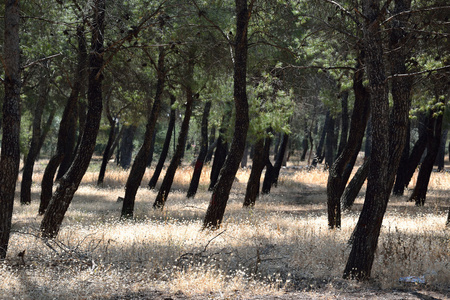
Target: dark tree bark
(368, 144)
(65, 126)
(202, 154)
(344, 121)
(440, 158)
(126, 146)
(388, 136)
(69, 183)
(109, 144)
(166, 145)
(400, 178)
(434, 133)
(341, 169)
(140, 162)
(164, 190)
(220, 154)
(212, 144)
(273, 171)
(262, 149)
(244, 160)
(305, 141)
(37, 139)
(10, 153)
(319, 151)
(355, 185)
(219, 198)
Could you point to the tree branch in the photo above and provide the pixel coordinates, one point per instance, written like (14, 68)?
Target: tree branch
(29, 65)
(418, 73)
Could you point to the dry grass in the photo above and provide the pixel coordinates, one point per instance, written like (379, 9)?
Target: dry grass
(281, 245)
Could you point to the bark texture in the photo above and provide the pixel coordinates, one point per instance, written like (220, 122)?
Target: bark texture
(164, 190)
(341, 169)
(219, 198)
(140, 162)
(165, 148)
(202, 154)
(10, 153)
(69, 183)
(66, 126)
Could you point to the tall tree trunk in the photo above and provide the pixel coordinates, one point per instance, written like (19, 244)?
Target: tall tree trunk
(140, 162)
(359, 264)
(212, 144)
(65, 124)
(440, 158)
(340, 170)
(219, 198)
(166, 145)
(305, 141)
(202, 154)
(111, 138)
(220, 154)
(273, 171)
(434, 132)
(388, 137)
(164, 190)
(262, 150)
(69, 183)
(344, 120)
(352, 189)
(126, 146)
(244, 160)
(319, 150)
(10, 153)
(37, 137)
(400, 178)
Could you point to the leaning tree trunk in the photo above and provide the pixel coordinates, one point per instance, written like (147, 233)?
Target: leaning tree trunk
(219, 198)
(262, 150)
(389, 135)
(37, 137)
(434, 132)
(220, 154)
(203, 151)
(140, 162)
(66, 124)
(400, 178)
(359, 264)
(352, 189)
(10, 153)
(126, 146)
(166, 145)
(339, 171)
(164, 190)
(111, 138)
(69, 183)
(273, 172)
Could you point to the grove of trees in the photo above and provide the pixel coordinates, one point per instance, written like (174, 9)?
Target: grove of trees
(320, 80)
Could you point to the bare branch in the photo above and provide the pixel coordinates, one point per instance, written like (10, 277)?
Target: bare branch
(203, 15)
(347, 12)
(418, 73)
(29, 65)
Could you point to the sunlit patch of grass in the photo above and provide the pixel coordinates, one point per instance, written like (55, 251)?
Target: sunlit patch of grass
(282, 244)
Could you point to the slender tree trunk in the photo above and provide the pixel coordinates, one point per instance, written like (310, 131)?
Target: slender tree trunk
(340, 170)
(400, 178)
(360, 261)
(69, 183)
(344, 118)
(355, 185)
(440, 159)
(36, 140)
(219, 198)
(166, 185)
(434, 131)
(166, 145)
(126, 146)
(10, 153)
(262, 150)
(220, 154)
(140, 162)
(111, 138)
(319, 150)
(201, 156)
(273, 172)
(65, 124)
(212, 144)
(244, 160)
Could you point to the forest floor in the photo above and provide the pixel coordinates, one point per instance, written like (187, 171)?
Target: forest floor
(280, 249)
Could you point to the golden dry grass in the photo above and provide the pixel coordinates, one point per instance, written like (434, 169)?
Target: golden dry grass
(281, 245)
